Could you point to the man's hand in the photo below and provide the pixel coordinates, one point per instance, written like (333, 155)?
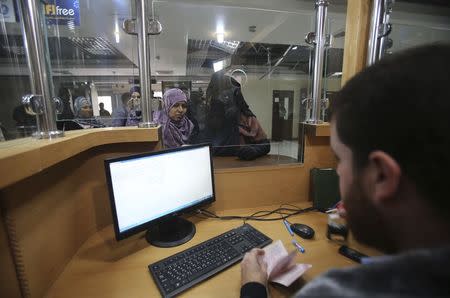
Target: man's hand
(254, 268)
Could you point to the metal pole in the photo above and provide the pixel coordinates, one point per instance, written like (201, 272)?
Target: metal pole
(33, 30)
(144, 65)
(320, 38)
(374, 42)
(386, 29)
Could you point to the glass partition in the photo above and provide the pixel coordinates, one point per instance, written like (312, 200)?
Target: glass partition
(94, 65)
(416, 24)
(244, 66)
(334, 56)
(16, 119)
(246, 70)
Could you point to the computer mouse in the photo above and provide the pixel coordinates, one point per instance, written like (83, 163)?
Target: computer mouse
(304, 231)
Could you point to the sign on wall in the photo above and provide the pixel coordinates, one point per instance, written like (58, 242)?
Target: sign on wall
(7, 13)
(63, 12)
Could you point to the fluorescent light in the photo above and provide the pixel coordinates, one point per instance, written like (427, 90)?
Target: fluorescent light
(116, 31)
(218, 65)
(220, 32)
(220, 37)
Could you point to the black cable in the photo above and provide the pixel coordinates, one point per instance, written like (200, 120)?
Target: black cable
(261, 215)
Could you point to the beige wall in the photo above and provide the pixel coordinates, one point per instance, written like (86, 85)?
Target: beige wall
(258, 94)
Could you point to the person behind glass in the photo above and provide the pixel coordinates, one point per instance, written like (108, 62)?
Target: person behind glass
(129, 112)
(119, 115)
(134, 114)
(83, 113)
(232, 127)
(225, 103)
(25, 119)
(191, 115)
(393, 178)
(176, 127)
(253, 139)
(103, 112)
(67, 104)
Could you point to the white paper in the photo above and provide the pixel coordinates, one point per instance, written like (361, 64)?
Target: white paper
(281, 267)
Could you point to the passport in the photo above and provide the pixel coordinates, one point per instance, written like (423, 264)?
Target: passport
(281, 265)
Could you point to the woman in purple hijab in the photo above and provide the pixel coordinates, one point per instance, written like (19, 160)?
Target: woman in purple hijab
(177, 128)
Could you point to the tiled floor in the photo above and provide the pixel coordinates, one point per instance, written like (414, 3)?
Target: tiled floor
(284, 152)
(285, 148)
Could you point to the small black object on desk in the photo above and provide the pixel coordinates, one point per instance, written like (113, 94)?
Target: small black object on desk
(304, 231)
(351, 253)
(336, 229)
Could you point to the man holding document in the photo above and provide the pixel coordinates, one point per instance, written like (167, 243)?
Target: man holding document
(390, 131)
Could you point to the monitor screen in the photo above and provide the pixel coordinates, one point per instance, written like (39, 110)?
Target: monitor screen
(147, 188)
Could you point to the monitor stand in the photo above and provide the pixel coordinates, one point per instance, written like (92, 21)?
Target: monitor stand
(170, 233)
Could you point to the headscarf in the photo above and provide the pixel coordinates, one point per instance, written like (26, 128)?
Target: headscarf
(225, 104)
(175, 133)
(135, 89)
(78, 103)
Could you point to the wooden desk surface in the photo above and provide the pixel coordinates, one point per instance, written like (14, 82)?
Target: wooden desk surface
(103, 267)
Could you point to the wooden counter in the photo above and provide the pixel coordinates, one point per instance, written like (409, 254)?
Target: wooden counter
(52, 197)
(25, 157)
(103, 267)
(318, 130)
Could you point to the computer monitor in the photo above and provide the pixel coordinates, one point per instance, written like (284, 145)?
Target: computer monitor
(151, 190)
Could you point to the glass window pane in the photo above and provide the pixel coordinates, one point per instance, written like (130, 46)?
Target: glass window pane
(238, 64)
(16, 120)
(93, 59)
(416, 24)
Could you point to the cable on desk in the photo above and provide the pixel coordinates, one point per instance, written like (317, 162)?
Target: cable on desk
(261, 215)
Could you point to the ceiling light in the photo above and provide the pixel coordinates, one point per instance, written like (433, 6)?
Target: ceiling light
(116, 31)
(294, 48)
(218, 65)
(220, 37)
(220, 32)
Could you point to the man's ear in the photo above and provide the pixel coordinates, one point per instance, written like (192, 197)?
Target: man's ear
(386, 175)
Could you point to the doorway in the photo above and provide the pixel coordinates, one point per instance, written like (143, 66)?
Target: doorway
(282, 114)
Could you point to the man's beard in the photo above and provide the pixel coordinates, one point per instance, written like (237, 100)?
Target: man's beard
(365, 221)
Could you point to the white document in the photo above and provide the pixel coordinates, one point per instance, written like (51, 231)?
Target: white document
(281, 266)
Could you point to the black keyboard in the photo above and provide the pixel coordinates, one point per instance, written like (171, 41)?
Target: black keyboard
(181, 271)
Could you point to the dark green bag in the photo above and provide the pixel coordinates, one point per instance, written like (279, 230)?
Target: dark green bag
(324, 188)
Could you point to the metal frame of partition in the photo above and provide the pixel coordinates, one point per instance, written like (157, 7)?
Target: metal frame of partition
(380, 28)
(144, 64)
(41, 100)
(319, 55)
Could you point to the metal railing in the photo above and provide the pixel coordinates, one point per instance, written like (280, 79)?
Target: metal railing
(380, 28)
(319, 39)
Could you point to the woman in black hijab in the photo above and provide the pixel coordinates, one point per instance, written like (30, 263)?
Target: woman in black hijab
(226, 107)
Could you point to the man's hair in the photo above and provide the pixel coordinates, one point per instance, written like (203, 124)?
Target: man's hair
(401, 106)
